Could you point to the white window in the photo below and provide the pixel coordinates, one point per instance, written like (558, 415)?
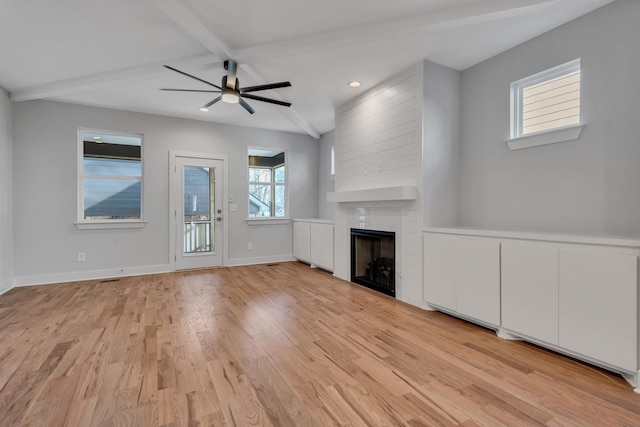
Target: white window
(267, 184)
(546, 101)
(110, 177)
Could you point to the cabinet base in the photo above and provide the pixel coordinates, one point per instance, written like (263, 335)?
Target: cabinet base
(501, 333)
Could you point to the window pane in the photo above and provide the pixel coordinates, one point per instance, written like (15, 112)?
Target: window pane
(111, 199)
(259, 175)
(546, 100)
(279, 200)
(259, 200)
(111, 175)
(279, 174)
(551, 104)
(117, 167)
(197, 193)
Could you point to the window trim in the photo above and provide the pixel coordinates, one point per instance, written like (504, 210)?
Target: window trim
(550, 136)
(87, 224)
(274, 219)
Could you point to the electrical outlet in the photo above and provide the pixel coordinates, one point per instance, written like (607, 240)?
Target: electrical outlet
(233, 207)
(250, 246)
(82, 257)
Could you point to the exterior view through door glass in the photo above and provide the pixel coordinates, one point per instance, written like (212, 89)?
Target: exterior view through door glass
(198, 213)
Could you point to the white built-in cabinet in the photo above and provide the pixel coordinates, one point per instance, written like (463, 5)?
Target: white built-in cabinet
(313, 242)
(462, 275)
(530, 290)
(576, 294)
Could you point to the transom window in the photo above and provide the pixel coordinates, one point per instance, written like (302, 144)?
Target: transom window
(267, 184)
(546, 101)
(110, 176)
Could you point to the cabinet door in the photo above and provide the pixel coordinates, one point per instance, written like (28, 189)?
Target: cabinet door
(598, 306)
(478, 281)
(439, 285)
(530, 290)
(302, 241)
(322, 246)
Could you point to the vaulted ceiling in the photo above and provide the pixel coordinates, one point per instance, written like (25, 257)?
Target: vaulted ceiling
(110, 53)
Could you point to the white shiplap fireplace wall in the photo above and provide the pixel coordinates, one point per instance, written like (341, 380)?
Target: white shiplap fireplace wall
(379, 175)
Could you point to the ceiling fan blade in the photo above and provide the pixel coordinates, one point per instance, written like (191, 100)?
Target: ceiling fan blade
(232, 67)
(246, 106)
(269, 100)
(265, 87)
(193, 77)
(191, 90)
(213, 101)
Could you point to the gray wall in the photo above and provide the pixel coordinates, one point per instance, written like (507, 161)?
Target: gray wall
(440, 145)
(47, 241)
(6, 190)
(592, 183)
(326, 182)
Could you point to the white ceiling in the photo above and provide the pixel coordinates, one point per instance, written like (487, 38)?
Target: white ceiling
(110, 53)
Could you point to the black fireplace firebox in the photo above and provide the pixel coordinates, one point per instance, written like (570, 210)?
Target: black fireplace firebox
(373, 260)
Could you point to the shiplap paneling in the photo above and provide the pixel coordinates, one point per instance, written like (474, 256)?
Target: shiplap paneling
(382, 127)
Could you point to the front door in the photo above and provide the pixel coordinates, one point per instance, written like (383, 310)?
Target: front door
(198, 212)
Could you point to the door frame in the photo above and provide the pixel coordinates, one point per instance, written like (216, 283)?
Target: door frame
(172, 201)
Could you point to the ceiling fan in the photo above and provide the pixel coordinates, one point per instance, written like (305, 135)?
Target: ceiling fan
(230, 90)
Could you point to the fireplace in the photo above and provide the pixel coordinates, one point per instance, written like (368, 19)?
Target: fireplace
(373, 255)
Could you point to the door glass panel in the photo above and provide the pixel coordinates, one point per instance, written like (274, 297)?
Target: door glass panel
(198, 202)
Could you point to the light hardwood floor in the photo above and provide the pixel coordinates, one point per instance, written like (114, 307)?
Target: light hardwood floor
(276, 345)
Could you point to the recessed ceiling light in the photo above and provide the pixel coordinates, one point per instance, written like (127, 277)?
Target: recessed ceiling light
(204, 109)
(354, 83)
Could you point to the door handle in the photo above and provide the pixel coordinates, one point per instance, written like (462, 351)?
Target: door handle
(218, 218)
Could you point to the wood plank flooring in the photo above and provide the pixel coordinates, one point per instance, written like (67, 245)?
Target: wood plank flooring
(276, 345)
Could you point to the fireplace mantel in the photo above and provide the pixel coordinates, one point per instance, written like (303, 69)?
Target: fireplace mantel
(406, 192)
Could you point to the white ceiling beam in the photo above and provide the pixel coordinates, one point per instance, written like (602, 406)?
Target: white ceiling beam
(375, 31)
(180, 14)
(290, 112)
(62, 87)
(189, 22)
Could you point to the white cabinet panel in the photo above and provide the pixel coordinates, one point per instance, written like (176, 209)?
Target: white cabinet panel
(463, 275)
(598, 305)
(302, 241)
(530, 290)
(322, 246)
(478, 281)
(439, 265)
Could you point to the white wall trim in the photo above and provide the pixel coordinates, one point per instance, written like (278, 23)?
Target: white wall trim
(570, 133)
(261, 260)
(46, 279)
(6, 286)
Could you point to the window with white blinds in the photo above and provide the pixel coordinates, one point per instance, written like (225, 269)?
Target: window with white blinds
(546, 101)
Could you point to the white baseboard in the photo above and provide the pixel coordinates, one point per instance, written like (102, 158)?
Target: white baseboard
(260, 260)
(6, 286)
(45, 279)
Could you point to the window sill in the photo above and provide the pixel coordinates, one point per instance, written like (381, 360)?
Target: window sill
(113, 224)
(551, 137)
(269, 221)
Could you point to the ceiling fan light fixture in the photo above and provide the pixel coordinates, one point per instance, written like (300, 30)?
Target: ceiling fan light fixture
(230, 97)
(204, 109)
